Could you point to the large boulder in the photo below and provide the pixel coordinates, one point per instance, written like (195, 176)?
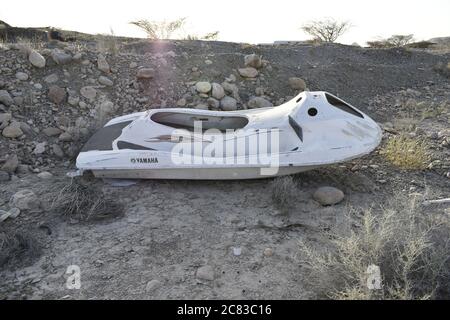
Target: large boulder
(25, 199)
(36, 59)
(328, 196)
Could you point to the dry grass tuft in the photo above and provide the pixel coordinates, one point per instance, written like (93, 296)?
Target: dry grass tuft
(406, 152)
(17, 248)
(284, 192)
(84, 201)
(411, 247)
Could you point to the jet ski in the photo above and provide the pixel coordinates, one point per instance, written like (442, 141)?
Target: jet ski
(313, 129)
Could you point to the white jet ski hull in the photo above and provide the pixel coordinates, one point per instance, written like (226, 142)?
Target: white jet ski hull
(312, 130)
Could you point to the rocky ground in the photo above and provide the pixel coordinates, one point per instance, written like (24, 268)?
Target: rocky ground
(194, 239)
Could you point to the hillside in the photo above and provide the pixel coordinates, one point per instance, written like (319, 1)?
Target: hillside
(54, 95)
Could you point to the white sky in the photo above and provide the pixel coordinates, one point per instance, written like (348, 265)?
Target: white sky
(238, 20)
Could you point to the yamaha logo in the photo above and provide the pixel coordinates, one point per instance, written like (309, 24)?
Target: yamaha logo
(144, 160)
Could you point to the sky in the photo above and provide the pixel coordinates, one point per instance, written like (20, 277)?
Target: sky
(250, 21)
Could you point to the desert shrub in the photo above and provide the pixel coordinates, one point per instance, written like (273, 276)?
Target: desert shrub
(209, 36)
(83, 201)
(410, 247)
(284, 191)
(108, 43)
(17, 248)
(157, 30)
(421, 45)
(443, 69)
(395, 41)
(328, 30)
(406, 152)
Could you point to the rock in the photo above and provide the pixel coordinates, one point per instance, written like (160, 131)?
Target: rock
(213, 103)
(152, 285)
(259, 102)
(36, 59)
(133, 65)
(56, 94)
(228, 104)
(10, 164)
(205, 273)
(65, 137)
(60, 57)
(25, 127)
(268, 252)
(45, 175)
(106, 108)
(4, 176)
(102, 64)
(58, 151)
(253, 60)
(203, 87)
(105, 81)
(5, 98)
(182, 102)
(14, 212)
(73, 101)
(201, 106)
(218, 92)
(297, 83)
(25, 199)
(22, 76)
(328, 196)
(52, 78)
(4, 215)
(145, 73)
(51, 131)
(40, 148)
(13, 130)
(22, 169)
(88, 92)
(248, 72)
(5, 117)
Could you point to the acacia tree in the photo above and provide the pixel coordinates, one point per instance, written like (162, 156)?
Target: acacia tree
(157, 30)
(400, 40)
(327, 30)
(395, 41)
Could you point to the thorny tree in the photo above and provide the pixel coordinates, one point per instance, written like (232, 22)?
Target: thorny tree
(326, 30)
